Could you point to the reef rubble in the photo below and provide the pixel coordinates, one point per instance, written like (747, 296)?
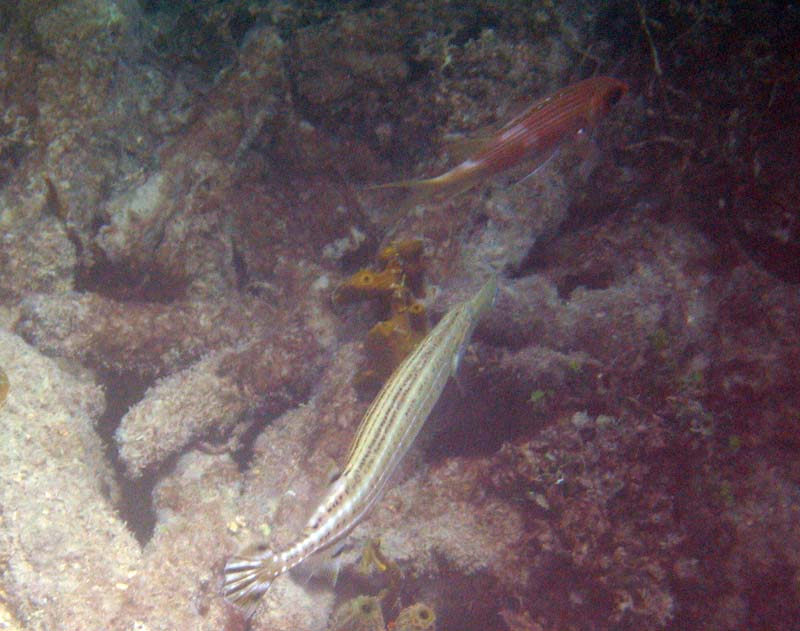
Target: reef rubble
(183, 188)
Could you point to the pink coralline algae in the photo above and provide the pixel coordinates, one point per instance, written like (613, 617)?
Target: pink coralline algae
(182, 190)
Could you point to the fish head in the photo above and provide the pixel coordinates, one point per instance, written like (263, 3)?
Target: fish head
(606, 94)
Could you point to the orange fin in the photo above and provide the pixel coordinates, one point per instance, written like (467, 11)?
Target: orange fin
(460, 148)
(409, 184)
(420, 191)
(437, 189)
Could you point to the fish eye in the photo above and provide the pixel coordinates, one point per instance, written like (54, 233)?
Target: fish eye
(366, 607)
(615, 95)
(366, 278)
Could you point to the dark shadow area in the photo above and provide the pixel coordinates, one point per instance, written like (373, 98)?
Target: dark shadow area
(135, 504)
(122, 283)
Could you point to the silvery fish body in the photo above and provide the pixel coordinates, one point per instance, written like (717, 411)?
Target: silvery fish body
(387, 430)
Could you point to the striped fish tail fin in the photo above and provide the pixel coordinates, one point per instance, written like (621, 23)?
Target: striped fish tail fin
(248, 577)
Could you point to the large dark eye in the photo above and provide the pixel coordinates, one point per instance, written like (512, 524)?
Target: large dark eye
(615, 95)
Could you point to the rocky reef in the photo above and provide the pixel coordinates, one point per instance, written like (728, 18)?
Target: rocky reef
(185, 219)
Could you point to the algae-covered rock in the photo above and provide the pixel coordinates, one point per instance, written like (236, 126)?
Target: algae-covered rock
(625, 432)
(208, 398)
(35, 256)
(148, 339)
(65, 552)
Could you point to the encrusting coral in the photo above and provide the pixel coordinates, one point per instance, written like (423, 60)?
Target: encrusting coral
(417, 617)
(389, 341)
(362, 613)
(372, 557)
(402, 270)
(397, 286)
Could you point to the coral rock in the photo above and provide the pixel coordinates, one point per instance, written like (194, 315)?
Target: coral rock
(64, 548)
(147, 339)
(210, 397)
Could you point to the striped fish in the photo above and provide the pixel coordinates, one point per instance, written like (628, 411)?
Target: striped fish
(534, 135)
(389, 427)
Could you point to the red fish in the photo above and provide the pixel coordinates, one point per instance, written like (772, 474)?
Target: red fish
(533, 135)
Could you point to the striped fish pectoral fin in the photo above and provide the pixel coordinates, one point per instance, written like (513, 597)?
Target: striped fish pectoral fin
(457, 362)
(536, 165)
(485, 298)
(478, 305)
(247, 578)
(528, 168)
(321, 566)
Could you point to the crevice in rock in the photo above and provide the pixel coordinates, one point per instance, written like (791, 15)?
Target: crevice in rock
(477, 426)
(469, 602)
(124, 283)
(559, 581)
(240, 268)
(588, 279)
(243, 455)
(135, 503)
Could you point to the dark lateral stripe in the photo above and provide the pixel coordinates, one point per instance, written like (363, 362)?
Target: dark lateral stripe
(389, 427)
